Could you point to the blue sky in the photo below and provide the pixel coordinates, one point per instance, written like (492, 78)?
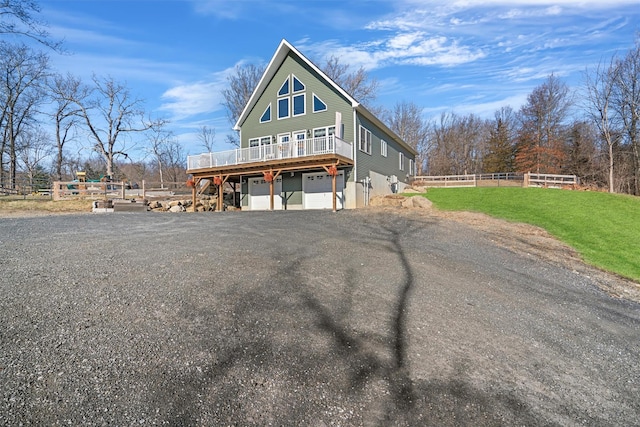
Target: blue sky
(467, 56)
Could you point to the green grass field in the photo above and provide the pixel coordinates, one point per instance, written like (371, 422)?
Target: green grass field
(604, 228)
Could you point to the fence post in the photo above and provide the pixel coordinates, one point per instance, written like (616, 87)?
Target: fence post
(56, 188)
(124, 195)
(144, 193)
(525, 181)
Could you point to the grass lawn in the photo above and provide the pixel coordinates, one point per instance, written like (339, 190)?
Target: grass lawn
(41, 204)
(603, 227)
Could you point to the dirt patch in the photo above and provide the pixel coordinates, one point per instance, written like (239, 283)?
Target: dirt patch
(535, 241)
(524, 239)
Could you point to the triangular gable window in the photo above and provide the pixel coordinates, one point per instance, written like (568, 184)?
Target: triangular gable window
(318, 104)
(297, 84)
(266, 116)
(284, 89)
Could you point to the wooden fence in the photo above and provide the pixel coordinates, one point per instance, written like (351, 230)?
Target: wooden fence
(497, 180)
(550, 181)
(445, 181)
(118, 190)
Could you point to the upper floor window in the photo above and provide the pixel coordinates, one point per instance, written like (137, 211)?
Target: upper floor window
(266, 116)
(401, 159)
(364, 140)
(318, 104)
(291, 103)
(298, 104)
(283, 108)
(298, 86)
(411, 167)
(383, 148)
(284, 89)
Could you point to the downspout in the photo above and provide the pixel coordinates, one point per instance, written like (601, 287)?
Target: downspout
(354, 151)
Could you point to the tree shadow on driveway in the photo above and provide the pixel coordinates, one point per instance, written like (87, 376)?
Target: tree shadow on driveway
(305, 347)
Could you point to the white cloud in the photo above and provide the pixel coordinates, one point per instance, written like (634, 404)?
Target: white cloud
(224, 9)
(410, 48)
(191, 99)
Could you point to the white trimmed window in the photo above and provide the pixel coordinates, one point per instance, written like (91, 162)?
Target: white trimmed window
(298, 86)
(364, 140)
(298, 104)
(283, 108)
(266, 116)
(383, 148)
(411, 170)
(291, 98)
(284, 89)
(318, 104)
(401, 159)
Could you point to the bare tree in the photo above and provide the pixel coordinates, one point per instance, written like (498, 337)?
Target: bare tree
(581, 151)
(406, 120)
(241, 85)
(35, 146)
(22, 76)
(110, 113)
(65, 91)
(600, 91)
(207, 135)
(540, 145)
(457, 145)
(17, 17)
(173, 158)
(159, 139)
(358, 83)
(628, 106)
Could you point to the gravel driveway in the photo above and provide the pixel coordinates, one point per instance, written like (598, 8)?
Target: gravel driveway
(302, 318)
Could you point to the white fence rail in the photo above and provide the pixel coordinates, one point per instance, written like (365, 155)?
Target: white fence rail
(548, 180)
(285, 150)
(446, 181)
(528, 180)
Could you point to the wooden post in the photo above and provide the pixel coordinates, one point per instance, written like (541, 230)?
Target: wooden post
(193, 194)
(124, 193)
(332, 170)
(333, 189)
(271, 195)
(220, 197)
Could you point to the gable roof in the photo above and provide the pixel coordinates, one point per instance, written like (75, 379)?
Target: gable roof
(284, 49)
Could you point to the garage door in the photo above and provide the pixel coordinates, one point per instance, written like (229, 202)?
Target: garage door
(259, 194)
(317, 191)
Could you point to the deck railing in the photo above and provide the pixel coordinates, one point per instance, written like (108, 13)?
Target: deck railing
(285, 150)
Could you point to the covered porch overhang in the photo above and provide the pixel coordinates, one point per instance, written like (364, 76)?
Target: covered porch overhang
(270, 170)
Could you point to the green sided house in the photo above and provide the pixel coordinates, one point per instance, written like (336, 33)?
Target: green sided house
(305, 143)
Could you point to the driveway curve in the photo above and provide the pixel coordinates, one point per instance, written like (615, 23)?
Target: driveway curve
(302, 318)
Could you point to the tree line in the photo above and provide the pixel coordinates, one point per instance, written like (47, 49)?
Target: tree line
(592, 131)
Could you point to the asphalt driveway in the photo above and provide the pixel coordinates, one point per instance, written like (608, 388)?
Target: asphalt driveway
(302, 318)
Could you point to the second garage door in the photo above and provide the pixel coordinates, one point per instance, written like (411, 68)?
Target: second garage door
(259, 194)
(317, 192)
